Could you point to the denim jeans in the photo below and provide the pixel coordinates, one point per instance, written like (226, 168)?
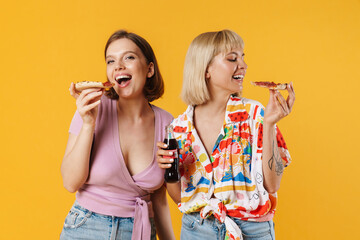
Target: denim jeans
(81, 223)
(194, 227)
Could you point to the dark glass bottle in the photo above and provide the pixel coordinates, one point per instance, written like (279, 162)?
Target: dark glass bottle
(172, 174)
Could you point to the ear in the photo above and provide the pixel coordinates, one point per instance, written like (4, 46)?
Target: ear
(207, 74)
(151, 70)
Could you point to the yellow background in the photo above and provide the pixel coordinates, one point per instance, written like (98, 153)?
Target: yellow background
(45, 45)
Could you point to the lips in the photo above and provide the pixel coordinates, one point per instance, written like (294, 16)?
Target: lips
(123, 80)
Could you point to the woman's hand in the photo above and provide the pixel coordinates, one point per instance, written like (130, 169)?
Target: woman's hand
(87, 103)
(164, 157)
(164, 161)
(278, 107)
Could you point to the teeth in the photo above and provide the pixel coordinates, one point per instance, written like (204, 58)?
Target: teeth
(238, 76)
(122, 77)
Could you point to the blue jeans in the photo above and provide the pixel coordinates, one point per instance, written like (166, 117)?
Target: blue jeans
(194, 227)
(81, 223)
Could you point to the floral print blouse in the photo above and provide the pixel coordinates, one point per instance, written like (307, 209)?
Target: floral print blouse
(230, 181)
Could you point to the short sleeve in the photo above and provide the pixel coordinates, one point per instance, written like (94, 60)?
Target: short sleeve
(76, 124)
(167, 118)
(258, 134)
(284, 152)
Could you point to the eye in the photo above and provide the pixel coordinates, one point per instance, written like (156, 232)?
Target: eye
(232, 59)
(109, 61)
(130, 57)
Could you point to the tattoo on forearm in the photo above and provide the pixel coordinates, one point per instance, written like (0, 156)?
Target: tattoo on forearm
(279, 167)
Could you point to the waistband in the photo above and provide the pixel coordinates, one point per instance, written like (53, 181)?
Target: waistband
(120, 205)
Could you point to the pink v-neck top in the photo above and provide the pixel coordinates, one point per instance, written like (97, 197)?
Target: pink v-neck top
(110, 189)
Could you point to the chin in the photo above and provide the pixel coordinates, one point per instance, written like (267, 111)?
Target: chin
(237, 94)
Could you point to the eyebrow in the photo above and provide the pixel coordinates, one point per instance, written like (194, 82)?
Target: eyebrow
(109, 56)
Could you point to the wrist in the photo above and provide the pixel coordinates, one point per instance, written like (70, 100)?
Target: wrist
(88, 126)
(267, 123)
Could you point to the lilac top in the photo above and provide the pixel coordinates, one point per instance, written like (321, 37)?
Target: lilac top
(110, 189)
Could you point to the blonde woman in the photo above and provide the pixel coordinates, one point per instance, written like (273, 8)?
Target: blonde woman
(235, 153)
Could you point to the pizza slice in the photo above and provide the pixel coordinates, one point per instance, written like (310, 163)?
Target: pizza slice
(80, 86)
(270, 85)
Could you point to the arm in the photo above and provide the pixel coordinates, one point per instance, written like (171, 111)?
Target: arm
(75, 164)
(276, 109)
(174, 189)
(162, 215)
(273, 167)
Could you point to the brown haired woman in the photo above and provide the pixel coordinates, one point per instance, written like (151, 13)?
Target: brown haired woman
(110, 155)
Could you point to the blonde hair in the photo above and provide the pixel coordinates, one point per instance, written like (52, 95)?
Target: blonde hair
(201, 52)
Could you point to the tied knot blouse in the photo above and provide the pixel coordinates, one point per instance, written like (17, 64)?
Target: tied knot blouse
(110, 188)
(229, 182)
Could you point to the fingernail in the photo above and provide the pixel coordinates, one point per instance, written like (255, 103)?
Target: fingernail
(169, 165)
(165, 145)
(171, 153)
(171, 160)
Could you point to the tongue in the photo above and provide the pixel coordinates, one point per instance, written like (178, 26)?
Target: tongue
(123, 82)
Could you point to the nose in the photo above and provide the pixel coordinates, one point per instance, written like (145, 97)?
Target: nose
(119, 65)
(242, 64)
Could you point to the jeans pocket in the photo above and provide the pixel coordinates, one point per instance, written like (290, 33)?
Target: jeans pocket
(76, 217)
(256, 230)
(189, 221)
(259, 236)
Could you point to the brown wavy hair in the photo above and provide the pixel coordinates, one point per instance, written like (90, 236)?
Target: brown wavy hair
(154, 86)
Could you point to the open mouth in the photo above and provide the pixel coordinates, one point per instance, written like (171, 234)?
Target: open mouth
(123, 79)
(238, 77)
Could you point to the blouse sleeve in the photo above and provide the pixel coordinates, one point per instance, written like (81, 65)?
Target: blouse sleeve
(76, 124)
(284, 152)
(258, 117)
